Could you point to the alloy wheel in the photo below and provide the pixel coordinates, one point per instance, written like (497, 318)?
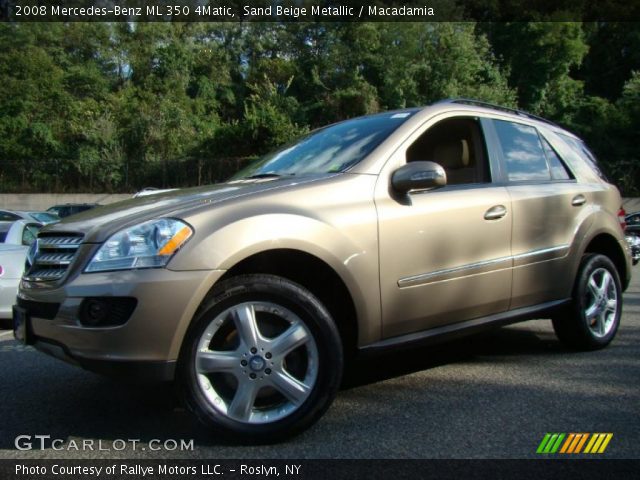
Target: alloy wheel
(601, 302)
(256, 362)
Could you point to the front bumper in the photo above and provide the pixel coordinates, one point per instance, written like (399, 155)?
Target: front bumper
(148, 342)
(8, 291)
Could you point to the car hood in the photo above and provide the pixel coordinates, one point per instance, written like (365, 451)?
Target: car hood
(100, 223)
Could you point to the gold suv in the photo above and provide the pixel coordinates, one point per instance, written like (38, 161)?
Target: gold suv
(389, 230)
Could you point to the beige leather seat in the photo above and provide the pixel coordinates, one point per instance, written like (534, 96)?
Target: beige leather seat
(455, 159)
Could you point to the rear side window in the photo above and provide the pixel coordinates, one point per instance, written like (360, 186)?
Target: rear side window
(558, 170)
(580, 149)
(523, 152)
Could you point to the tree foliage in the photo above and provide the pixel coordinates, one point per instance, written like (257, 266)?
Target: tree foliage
(119, 106)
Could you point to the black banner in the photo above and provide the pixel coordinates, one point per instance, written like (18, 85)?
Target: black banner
(316, 469)
(315, 10)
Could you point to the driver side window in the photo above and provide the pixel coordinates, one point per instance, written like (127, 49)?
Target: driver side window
(457, 144)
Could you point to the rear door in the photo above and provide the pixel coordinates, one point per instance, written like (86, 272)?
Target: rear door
(548, 208)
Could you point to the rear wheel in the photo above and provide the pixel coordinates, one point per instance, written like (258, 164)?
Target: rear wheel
(592, 319)
(262, 360)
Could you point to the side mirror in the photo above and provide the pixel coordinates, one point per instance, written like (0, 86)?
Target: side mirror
(418, 176)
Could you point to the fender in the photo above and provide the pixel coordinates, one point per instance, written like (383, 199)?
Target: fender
(346, 240)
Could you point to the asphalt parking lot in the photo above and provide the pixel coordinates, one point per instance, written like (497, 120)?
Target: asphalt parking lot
(492, 396)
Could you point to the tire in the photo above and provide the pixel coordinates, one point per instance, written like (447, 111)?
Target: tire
(262, 360)
(591, 320)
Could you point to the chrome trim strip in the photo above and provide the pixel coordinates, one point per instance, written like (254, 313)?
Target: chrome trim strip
(424, 277)
(541, 252)
(429, 277)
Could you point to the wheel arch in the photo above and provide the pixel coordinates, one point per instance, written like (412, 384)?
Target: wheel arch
(606, 244)
(315, 275)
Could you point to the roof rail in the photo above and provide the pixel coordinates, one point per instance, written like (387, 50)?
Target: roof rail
(479, 103)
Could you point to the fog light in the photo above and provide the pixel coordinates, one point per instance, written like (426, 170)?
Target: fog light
(106, 311)
(95, 312)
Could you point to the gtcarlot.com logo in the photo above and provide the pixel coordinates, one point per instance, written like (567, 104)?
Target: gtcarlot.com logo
(573, 443)
(43, 442)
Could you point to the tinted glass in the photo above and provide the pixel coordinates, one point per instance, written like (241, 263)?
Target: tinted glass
(4, 229)
(29, 234)
(331, 149)
(45, 217)
(8, 217)
(558, 170)
(579, 147)
(522, 151)
(457, 145)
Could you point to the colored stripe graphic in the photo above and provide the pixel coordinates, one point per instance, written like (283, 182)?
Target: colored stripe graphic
(604, 445)
(566, 445)
(594, 437)
(543, 443)
(550, 443)
(581, 443)
(574, 443)
(598, 442)
(577, 438)
(556, 446)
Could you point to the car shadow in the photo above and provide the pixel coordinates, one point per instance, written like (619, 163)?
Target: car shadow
(506, 341)
(48, 396)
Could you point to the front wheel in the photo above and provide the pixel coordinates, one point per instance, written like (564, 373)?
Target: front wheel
(592, 319)
(262, 360)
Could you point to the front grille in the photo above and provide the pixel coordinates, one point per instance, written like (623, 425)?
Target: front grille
(53, 254)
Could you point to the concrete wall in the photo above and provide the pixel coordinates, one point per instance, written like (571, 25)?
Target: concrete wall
(42, 201)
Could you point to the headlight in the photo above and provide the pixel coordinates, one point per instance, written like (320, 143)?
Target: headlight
(148, 245)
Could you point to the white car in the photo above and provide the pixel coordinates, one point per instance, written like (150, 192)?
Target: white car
(15, 240)
(29, 216)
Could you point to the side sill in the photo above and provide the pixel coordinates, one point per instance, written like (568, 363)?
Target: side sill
(462, 329)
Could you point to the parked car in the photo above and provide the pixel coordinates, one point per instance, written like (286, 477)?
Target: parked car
(15, 240)
(20, 232)
(373, 234)
(633, 223)
(31, 216)
(634, 246)
(71, 208)
(632, 232)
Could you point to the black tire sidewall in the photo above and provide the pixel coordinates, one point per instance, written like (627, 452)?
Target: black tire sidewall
(317, 319)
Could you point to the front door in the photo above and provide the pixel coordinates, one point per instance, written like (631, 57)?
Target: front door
(445, 254)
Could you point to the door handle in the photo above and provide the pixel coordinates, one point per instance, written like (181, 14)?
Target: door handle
(494, 213)
(578, 200)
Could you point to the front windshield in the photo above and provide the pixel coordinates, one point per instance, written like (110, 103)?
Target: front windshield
(45, 217)
(328, 150)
